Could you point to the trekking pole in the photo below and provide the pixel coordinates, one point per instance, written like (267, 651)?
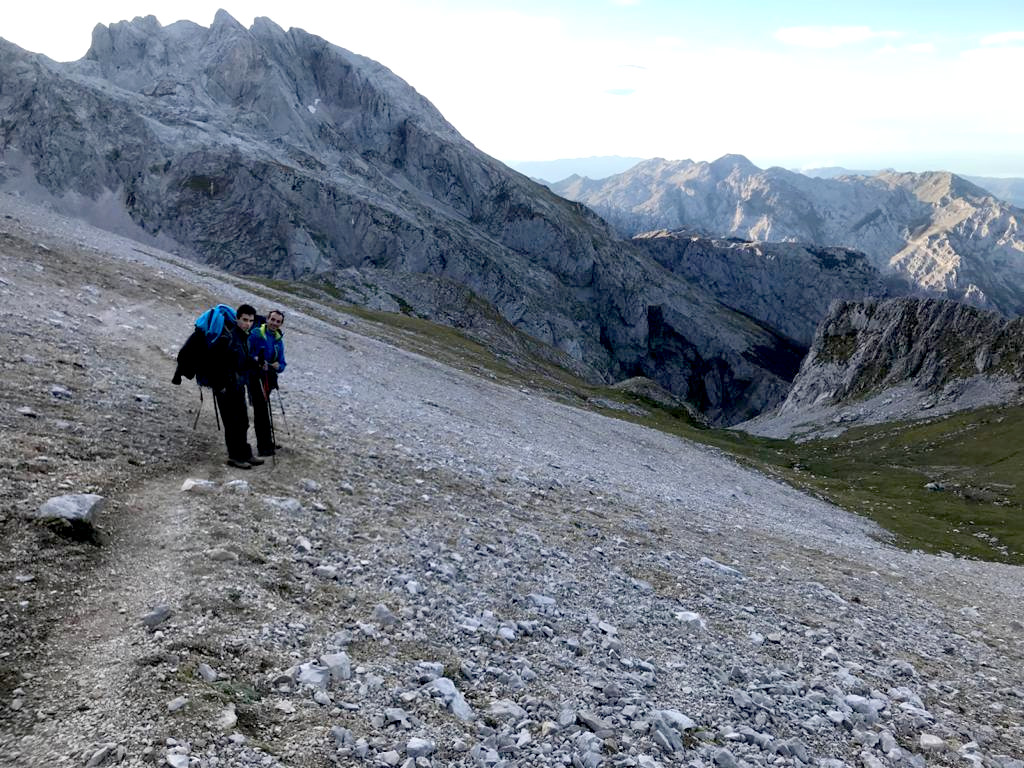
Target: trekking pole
(199, 410)
(284, 417)
(265, 385)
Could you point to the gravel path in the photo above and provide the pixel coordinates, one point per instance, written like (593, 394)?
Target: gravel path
(438, 570)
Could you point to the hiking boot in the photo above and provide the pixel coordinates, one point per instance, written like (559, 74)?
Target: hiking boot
(240, 464)
(255, 462)
(269, 452)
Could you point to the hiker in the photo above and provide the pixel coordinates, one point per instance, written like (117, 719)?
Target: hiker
(234, 365)
(266, 345)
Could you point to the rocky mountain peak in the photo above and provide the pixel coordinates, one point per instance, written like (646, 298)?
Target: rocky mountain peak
(936, 187)
(730, 164)
(225, 24)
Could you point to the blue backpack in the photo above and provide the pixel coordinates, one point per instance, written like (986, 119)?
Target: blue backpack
(212, 321)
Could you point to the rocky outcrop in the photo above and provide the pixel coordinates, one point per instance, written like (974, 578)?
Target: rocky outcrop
(862, 347)
(948, 236)
(876, 361)
(275, 153)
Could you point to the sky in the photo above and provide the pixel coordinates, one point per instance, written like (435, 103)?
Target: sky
(906, 84)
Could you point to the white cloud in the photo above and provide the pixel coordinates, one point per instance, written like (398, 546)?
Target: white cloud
(829, 37)
(1004, 38)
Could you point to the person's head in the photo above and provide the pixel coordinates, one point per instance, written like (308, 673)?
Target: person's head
(275, 319)
(245, 316)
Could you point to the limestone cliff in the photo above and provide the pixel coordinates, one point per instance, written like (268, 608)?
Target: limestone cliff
(874, 361)
(786, 286)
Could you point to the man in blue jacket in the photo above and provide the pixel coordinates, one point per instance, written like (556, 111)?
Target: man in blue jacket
(266, 344)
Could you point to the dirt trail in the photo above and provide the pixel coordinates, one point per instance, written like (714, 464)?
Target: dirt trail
(87, 669)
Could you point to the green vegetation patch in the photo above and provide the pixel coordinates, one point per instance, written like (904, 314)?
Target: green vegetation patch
(838, 349)
(952, 485)
(943, 485)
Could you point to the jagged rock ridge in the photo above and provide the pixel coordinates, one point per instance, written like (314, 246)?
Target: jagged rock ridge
(947, 235)
(876, 361)
(276, 153)
(862, 347)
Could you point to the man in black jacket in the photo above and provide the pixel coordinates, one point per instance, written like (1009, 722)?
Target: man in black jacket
(231, 351)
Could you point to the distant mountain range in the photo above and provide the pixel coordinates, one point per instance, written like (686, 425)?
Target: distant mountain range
(1010, 190)
(946, 235)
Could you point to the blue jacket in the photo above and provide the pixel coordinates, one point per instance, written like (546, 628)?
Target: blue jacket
(269, 344)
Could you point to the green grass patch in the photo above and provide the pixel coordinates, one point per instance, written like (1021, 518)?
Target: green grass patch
(973, 461)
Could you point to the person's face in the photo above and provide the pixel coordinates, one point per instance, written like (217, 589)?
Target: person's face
(274, 321)
(245, 322)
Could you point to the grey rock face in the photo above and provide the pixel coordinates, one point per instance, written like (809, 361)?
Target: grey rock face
(943, 233)
(897, 359)
(278, 154)
(786, 286)
(867, 346)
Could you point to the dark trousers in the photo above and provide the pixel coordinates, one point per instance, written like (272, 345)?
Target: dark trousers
(261, 415)
(234, 414)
